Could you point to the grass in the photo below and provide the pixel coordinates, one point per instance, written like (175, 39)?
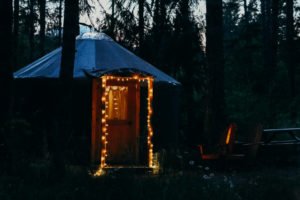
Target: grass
(201, 182)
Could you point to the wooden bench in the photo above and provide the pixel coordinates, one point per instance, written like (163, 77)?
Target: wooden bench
(273, 141)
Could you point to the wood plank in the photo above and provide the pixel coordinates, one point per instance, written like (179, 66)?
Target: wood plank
(94, 109)
(281, 130)
(96, 119)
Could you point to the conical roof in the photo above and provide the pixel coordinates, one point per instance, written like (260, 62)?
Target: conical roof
(96, 54)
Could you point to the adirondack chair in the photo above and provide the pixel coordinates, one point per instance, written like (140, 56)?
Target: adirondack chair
(225, 147)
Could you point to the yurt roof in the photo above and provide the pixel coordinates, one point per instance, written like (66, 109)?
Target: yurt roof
(96, 54)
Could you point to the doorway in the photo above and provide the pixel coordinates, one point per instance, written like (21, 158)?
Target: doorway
(116, 118)
(122, 110)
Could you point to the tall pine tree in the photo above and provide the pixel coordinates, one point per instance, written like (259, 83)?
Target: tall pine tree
(31, 4)
(290, 54)
(215, 119)
(16, 31)
(187, 60)
(6, 69)
(63, 121)
(42, 8)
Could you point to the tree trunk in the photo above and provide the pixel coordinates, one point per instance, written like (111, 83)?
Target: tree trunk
(42, 7)
(215, 119)
(77, 10)
(16, 32)
(290, 32)
(141, 26)
(271, 69)
(269, 9)
(290, 56)
(163, 14)
(31, 28)
(60, 22)
(246, 11)
(274, 35)
(6, 69)
(6, 76)
(64, 109)
(69, 35)
(112, 20)
(159, 32)
(267, 32)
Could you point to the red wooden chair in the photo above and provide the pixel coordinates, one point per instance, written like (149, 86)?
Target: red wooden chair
(225, 148)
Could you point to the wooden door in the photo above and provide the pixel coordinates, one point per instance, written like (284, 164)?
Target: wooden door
(123, 122)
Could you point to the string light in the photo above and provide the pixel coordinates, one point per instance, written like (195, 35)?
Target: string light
(149, 125)
(104, 117)
(104, 124)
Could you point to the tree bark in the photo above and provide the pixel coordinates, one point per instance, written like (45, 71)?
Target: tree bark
(269, 9)
(6, 75)
(274, 35)
(77, 10)
(60, 22)
(290, 32)
(246, 11)
(69, 35)
(141, 26)
(31, 28)
(271, 69)
(112, 20)
(16, 32)
(42, 8)
(290, 56)
(6, 70)
(215, 119)
(63, 122)
(267, 33)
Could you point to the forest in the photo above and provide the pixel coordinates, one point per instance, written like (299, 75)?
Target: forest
(237, 62)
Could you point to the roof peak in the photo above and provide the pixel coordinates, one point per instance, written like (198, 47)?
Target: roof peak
(93, 36)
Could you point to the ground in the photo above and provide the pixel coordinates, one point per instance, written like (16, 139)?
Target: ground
(207, 181)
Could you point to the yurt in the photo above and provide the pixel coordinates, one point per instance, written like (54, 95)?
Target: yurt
(124, 109)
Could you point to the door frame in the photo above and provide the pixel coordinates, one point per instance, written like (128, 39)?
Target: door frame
(99, 103)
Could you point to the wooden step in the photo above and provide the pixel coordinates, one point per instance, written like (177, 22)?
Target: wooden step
(128, 169)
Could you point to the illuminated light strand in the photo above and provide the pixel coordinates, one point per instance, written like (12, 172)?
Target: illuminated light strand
(104, 124)
(104, 117)
(149, 125)
(122, 79)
